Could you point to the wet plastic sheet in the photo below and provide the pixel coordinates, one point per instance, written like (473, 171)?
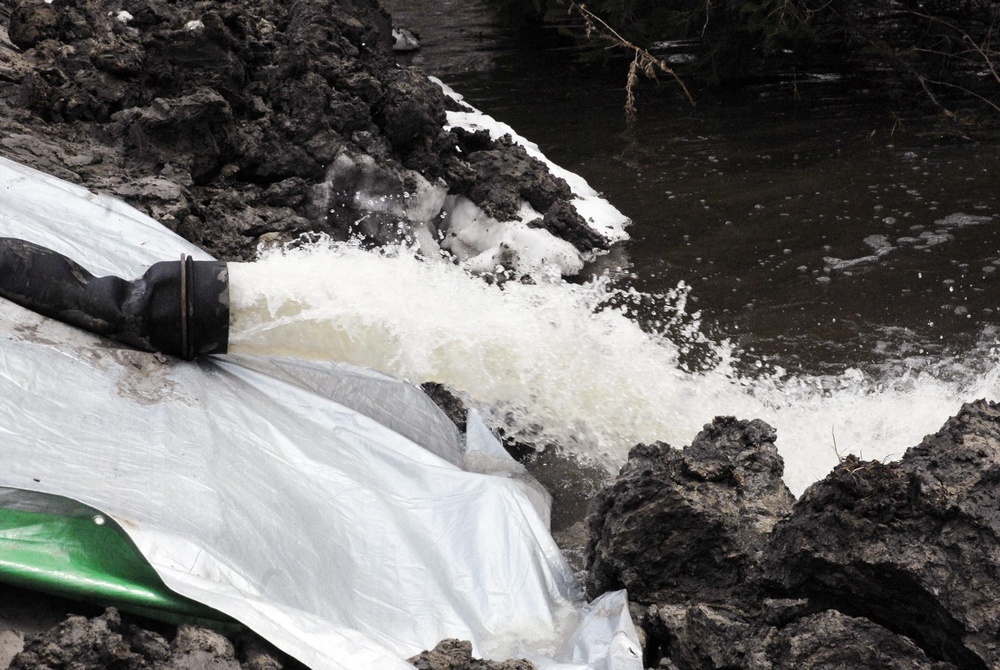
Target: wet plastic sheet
(323, 506)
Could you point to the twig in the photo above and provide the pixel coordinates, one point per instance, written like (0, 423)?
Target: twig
(643, 61)
(985, 52)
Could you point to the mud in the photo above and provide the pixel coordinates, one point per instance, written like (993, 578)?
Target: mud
(110, 641)
(878, 565)
(232, 122)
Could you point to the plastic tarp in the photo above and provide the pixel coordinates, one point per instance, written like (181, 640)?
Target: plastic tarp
(330, 509)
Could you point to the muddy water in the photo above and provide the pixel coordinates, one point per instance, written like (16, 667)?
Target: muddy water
(817, 231)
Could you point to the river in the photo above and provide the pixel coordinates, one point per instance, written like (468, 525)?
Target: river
(796, 255)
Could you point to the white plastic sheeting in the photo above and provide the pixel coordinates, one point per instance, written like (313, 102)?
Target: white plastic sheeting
(325, 507)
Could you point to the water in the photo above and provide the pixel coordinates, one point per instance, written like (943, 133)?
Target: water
(806, 260)
(746, 200)
(557, 363)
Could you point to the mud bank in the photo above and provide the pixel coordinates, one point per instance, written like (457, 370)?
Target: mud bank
(234, 123)
(878, 565)
(38, 634)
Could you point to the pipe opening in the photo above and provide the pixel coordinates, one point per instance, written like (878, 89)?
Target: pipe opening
(179, 308)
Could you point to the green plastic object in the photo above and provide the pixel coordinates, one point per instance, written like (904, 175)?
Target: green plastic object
(58, 546)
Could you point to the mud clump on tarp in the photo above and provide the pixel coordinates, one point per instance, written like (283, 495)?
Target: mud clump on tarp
(232, 122)
(106, 641)
(878, 565)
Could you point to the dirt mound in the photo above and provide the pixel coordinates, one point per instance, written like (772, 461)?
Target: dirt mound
(878, 565)
(231, 121)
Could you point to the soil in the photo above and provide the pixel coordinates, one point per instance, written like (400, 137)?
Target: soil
(234, 122)
(878, 565)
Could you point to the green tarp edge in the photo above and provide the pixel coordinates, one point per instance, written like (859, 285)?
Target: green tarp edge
(86, 556)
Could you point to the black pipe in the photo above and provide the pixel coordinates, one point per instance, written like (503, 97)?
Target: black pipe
(177, 307)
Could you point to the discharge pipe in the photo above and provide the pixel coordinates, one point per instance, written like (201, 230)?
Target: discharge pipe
(179, 307)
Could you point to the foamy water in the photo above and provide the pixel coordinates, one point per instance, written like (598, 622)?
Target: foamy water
(553, 361)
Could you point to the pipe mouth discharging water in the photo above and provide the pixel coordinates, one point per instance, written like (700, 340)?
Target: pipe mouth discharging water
(179, 308)
(552, 363)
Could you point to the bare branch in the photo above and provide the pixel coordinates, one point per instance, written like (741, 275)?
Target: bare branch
(643, 61)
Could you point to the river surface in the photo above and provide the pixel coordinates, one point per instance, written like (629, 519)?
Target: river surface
(813, 229)
(797, 255)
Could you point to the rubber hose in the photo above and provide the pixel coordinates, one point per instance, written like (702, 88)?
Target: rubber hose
(179, 308)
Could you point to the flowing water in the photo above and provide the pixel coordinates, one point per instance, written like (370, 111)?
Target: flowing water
(796, 256)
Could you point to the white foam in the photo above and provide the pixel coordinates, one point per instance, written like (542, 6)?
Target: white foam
(483, 244)
(436, 220)
(553, 361)
(882, 247)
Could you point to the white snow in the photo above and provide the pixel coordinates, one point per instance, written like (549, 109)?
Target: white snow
(441, 220)
(595, 210)
(426, 213)
(480, 242)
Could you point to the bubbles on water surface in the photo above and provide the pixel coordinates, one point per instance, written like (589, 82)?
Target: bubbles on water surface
(571, 365)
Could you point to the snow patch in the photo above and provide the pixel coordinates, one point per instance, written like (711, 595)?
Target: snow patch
(601, 215)
(425, 213)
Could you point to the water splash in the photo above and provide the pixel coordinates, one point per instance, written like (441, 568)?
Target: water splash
(566, 364)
